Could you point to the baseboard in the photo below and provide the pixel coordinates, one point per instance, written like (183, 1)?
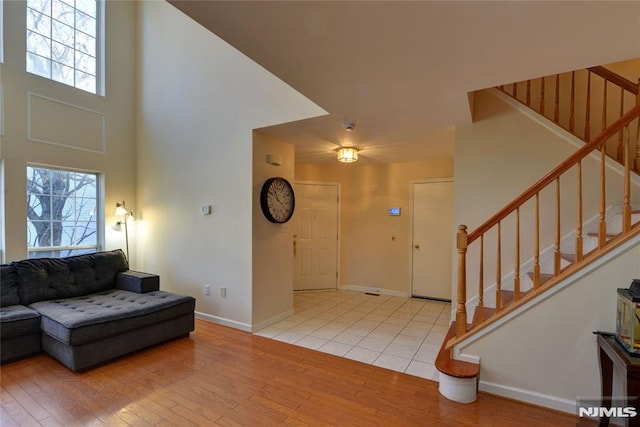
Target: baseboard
(373, 290)
(274, 319)
(222, 321)
(532, 397)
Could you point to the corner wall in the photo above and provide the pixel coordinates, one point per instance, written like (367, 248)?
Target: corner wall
(272, 243)
(199, 101)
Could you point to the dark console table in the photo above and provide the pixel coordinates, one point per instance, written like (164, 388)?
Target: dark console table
(610, 354)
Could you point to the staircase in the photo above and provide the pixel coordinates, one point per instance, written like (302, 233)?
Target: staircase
(506, 266)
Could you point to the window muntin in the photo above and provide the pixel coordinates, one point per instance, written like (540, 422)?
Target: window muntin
(62, 41)
(62, 212)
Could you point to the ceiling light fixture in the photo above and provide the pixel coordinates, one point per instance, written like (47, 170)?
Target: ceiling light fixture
(347, 154)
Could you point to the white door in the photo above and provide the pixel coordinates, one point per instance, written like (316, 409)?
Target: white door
(433, 236)
(315, 238)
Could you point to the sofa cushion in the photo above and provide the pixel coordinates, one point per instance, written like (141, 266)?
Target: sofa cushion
(94, 317)
(18, 320)
(8, 285)
(44, 279)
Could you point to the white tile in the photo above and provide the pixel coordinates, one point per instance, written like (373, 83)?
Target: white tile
(407, 340)
(406, 351)
(397, 321)
(327, 332)
(362, 355)
(303, 329)
(382, 335)
(421, 369)
(311, 342)
(432, 346)
(348, 338)
(285, 324)
(269, 332)
(417, 329)
(426, 317)
(375, 344)
(394, 363)
(360, 330)
(389, 328)
(381, 330)
(336, 348)
(289, 337)
(426, 355)
(440, 328)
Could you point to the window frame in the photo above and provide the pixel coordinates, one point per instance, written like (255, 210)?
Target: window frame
(99, 49)
(99, 214)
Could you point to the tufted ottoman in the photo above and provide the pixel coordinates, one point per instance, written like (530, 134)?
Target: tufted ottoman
(84, 331)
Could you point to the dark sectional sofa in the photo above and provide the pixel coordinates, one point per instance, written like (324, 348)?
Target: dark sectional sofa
(85, 310)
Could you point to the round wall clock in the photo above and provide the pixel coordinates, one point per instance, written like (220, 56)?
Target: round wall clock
(277, 200)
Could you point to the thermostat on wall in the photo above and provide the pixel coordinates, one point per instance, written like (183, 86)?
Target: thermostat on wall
(394, 211)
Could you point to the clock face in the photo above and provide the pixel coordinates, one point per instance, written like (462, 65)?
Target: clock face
(277, 200)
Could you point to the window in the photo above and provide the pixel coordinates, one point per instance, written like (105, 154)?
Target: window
(62, 41)
(62, 212)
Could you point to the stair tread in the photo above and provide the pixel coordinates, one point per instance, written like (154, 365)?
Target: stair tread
(454, 368)
(507, 298)
(543, 276)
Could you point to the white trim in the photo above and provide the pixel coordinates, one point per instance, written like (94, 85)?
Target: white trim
(374, 290)
(1, 107)
(559, 131)
(67, 104)
(528, 396)
(273, 319)
(223, 321)
(461, 390)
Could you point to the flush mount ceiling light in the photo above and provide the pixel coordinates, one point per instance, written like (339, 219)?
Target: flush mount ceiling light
(347, 154)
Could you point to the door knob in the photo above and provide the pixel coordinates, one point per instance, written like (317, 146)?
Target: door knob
(417, 246)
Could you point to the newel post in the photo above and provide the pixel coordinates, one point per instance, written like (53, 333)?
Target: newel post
(461, 308)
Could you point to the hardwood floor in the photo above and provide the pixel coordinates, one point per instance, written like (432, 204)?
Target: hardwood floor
(224, 377)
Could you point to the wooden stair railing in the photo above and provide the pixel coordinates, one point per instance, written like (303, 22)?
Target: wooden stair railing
(571, 168)
(583, 102)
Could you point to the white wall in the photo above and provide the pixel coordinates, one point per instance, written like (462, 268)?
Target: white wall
(375, 247)
(497, 158)
(116, 162)
(199, 100)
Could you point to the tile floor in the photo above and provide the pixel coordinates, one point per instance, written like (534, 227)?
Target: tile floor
(402, 334)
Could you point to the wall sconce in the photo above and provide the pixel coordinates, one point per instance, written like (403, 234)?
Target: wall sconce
(347, 154)
(121, 210)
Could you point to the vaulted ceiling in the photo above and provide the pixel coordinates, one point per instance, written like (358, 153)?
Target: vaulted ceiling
(403, 71)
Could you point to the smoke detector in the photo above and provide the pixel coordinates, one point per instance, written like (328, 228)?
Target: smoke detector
(350, 126)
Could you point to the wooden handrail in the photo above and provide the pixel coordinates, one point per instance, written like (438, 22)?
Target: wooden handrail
(616, 79)
(556, 172)
(464, 240)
